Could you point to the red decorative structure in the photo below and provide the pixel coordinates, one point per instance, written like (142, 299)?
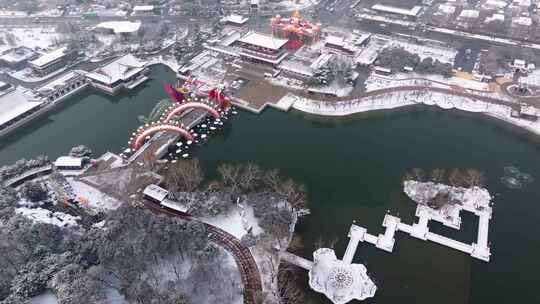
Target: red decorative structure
(139, 139)
(217, 95)
(190, 105)
(296, 29)
(175, 94)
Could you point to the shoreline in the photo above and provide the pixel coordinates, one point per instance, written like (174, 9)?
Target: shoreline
(400, 100)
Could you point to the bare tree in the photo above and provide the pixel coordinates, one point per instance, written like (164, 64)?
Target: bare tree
(184, 176)
(437, 175)
(456, 178)
(250, 177)
(474, 178)
(272, 179)
(418, 174)
(230, 175)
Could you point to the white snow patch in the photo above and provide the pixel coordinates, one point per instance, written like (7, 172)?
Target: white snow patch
(45, 298)
(96, 199)
(114, 296)
(41, 215)
(238, 222)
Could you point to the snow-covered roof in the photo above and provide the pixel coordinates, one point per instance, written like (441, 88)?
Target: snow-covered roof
(335, 40)
(122, 68)
(59, 82)
(497, 4)
(47, 58)
(155, 192)
(525, 21)
(238, 19)
(321, 61)
(17, 55)
(447, 9)
(68, 161)
(143, 8)
(524, 3)
(495, 17)
(297, 67)
(471, 14)
(120, 27)
(519, 62)
(397, 10)
(13, 104)
(41, 215)
(263, 40)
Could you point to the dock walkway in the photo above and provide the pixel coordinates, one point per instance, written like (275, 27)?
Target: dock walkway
(420, 230)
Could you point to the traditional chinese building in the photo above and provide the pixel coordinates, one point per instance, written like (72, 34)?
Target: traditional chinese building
(297, 30)
(261, 48)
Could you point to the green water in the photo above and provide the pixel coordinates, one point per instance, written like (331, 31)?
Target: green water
(352, 168)
(102, 122)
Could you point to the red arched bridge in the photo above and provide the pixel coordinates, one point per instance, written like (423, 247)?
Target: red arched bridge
(148, 131)
(187, 110)
(179, 109)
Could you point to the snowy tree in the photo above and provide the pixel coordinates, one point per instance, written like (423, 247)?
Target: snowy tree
(34, 192)
(80, 151)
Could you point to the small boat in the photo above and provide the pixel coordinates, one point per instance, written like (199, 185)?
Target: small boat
(185, 155)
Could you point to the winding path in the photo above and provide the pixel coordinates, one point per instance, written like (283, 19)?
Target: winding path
(249, 272)
(317, 97)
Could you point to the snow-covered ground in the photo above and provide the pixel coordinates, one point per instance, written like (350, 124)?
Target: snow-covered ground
(41, 215)
(45, 298)
(471, 199)
(407, 98)
(237, 222)
(93, 198)
(443, 54)
(31, 37)
(169, 61)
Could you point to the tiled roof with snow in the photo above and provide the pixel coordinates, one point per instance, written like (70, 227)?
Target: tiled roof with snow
(263, 40)
(47, 58)
(234, 18)
(68, 161)
(13, 104)
(155, 192)
(120, 69)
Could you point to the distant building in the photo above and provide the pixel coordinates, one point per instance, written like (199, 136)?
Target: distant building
(119, 27)
(338, 45)
(521, 26)
(62, 86)
(52, 61)
(143, 10)
(17, 58)
(236, 21)
(410, 13)
(496, 5)
(520, 6)
(494, 18)
(125, 72)
(15, 106)
(468, 18)
(68, 163)
(262, 48)
(155, 193)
